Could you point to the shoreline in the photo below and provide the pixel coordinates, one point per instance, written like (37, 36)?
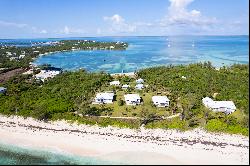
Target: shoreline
(142, 146)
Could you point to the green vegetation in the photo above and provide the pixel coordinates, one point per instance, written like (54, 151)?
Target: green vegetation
(63, 45)
(69, 96)
(228, 83)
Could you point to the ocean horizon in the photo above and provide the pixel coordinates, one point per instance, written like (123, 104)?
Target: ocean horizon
(146, 51)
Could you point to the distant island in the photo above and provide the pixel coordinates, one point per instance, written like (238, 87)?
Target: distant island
(12, 57)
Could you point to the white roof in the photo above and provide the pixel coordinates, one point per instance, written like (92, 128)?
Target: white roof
(105, 95)
(2, 88)
(132, 97)
(140, 80)
(115, 83)
(139, 86)
(160, 99)
(222, 104)
(125, 86)
(208, 102)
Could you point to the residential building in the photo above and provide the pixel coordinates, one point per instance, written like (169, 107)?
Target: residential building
(115, 83)
(139, 81)
(219, 106)
(125, 86)
(161, 101)
(3, 90)
(104, 98)
(139, 86)
(132, 99)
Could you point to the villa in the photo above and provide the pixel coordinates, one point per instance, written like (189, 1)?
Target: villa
(3, 90)
(139, 86)
(125, 86)
(132, 99)
(104, 98)
(161, 101)
(219, 106)
(48, 73)
(139, 81)
(115, 83)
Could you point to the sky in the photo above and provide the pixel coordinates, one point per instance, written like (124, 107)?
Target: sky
(82, 18)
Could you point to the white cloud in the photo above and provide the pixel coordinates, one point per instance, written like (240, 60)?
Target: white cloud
(178, 15)
(119, 25)
(43, 31)
(67, 30)
(12, 24)
(117, 19)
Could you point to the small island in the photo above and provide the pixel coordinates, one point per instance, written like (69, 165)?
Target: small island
(13, 57)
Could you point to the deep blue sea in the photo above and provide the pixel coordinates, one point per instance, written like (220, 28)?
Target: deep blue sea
(142, 52)
(148, 51)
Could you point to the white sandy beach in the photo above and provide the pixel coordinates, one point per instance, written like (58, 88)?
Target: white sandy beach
(143, 146)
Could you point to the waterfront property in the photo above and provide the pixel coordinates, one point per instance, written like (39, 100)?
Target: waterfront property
(3, 90)
(115, 83)
(132, 99)
(161, 101)
(104, 98)
(219, 106)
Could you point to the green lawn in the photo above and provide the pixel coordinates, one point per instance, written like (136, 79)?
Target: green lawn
(131, 111)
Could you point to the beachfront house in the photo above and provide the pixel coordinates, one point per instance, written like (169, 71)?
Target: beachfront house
(3, 90)
(104, 98)
(115, 83)
(219, 106)
(161, 101)
(132, 99)
(125, 86)
(139, 81)
(139, 86)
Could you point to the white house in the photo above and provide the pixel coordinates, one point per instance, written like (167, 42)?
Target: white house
(219, 106)
(3, 90)
(139, 81)
(45, 74)
(125, 86)
(161, 101)
(8, 53)
(104, 98)
(21, 56)
(13, 58)
(183, 77)
(139, 86)
(115, 83)
(132, 99)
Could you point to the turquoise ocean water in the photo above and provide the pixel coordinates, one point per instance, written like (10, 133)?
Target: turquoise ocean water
(148, 51)
(17, 155)
(153, 51)
(142, 52)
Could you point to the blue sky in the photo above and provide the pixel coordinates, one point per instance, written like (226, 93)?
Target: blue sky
(73, 18)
